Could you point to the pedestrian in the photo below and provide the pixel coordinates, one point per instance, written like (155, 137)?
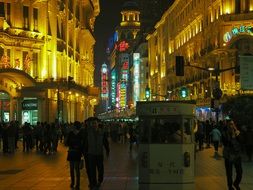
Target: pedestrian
(96, 140)
(5, 137)
(74, 142)
(208, 128)
(249, 142)
(232, 155)
(200, 134)
(27, 137)
(1, 134)
(11, 133)
(216, 137)
(131, 136)
(84, 136)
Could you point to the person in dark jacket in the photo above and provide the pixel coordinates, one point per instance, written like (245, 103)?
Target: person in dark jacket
(249, 142)
(27, 137)
(232, 154)
(74, 142)
(96, 140)
(84, 136)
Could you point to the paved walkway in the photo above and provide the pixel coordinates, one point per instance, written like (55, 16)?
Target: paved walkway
(36, 171)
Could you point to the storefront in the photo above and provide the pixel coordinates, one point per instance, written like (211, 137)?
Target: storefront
(4, 107)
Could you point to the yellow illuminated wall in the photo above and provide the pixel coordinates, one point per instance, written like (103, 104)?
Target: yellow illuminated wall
(57, 36)
(195, 29)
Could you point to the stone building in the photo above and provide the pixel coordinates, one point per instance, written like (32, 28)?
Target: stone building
(46, 60)
(215, 38)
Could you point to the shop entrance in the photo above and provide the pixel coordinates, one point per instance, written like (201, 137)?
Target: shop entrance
(4, 107)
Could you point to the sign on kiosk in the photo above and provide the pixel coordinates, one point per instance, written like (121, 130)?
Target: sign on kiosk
(166, 151)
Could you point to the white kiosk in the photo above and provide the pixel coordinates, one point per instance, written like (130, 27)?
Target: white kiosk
(166, 150)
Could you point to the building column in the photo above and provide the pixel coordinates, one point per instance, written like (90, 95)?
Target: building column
(19, 110)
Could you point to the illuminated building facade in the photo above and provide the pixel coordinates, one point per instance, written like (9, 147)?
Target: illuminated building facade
(209, 34)
(120, 58)
(46, 60)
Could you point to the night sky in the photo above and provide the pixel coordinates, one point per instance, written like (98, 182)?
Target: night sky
(105, 25)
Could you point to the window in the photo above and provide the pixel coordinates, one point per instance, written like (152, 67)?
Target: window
(62, 32)
(26, 61)
(237, 6)
(2, 14)
(8, 16)
(35, 64)
(1, 52)
(77, 12)
(26, 16)
(35, 19)
(247, 4)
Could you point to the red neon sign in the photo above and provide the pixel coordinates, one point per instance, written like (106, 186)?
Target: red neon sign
(122, 46)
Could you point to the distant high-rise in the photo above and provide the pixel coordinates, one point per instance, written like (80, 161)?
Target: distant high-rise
(151, 11)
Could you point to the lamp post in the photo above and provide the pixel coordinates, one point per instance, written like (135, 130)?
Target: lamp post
(217, 93)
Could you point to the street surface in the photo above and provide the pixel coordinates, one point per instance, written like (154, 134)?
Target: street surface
(36, 171)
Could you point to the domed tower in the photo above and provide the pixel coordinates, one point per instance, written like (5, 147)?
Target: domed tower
(130, 22)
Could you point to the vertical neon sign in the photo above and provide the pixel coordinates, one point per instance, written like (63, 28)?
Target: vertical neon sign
(104, 82)
(136, 77)
(113, 87)
(124, 80)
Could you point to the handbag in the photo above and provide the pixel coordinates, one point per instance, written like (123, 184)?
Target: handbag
(81, 165)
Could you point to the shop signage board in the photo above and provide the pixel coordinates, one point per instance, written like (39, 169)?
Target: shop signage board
(30, 105)
(246, 72)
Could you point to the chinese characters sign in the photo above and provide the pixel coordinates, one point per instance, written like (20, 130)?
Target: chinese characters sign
(236, 31)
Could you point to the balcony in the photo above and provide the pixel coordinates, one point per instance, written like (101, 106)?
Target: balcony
(237, 17)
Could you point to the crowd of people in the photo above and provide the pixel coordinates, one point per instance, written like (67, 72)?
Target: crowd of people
(86, 141)
(235, 140)
(89, 140)
(43, 137)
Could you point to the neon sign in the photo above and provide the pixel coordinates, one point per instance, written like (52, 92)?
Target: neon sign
(104, 82)
(122, 46)
(122, 96)
(236, 31)
(136, 77)
(113, 88)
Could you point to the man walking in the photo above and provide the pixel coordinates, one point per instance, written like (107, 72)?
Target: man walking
(96, 140)
(216, 137)
(231, 154)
